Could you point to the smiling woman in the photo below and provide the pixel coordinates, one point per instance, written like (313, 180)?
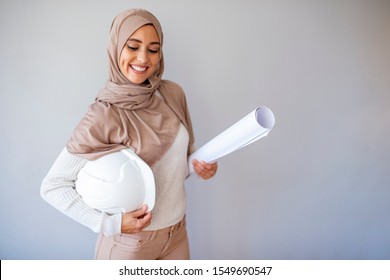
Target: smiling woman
(138, 110)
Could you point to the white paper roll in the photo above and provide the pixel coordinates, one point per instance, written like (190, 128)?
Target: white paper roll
(249, 129)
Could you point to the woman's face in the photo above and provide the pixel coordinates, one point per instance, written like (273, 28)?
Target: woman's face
(140, 55)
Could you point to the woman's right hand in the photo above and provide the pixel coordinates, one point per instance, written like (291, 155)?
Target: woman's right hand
(133, 222)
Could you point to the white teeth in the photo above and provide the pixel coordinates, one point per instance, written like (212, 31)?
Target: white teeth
(138, 68)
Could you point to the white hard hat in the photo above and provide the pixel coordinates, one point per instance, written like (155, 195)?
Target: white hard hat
(118, 182)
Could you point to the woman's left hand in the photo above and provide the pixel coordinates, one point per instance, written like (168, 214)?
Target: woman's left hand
(205, 170)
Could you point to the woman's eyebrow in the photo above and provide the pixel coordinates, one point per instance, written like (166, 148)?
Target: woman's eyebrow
(139, 41)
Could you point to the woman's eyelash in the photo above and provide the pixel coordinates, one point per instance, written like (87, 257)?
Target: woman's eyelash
(132, 48)
(136, 48)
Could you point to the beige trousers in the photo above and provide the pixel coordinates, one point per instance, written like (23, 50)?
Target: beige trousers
(169, 243)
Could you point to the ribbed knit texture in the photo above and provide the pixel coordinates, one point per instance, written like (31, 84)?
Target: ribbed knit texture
(170, 174)
(58, 189)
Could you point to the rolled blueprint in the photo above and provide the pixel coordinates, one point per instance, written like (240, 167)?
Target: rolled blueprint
(249, 129)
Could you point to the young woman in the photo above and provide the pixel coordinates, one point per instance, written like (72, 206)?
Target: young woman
(135, 109)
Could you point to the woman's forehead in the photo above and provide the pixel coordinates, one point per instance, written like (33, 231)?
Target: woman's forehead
(145, 32)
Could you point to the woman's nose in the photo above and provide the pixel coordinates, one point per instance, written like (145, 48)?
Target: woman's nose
(142, 56)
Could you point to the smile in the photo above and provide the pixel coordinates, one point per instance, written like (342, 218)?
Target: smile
(138, 68)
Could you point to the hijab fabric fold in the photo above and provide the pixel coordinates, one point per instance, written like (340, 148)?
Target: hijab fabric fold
(132, 115)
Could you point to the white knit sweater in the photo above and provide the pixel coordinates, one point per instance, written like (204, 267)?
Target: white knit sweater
(58, 189)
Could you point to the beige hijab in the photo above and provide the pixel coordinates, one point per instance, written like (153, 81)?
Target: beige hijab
(130, 115)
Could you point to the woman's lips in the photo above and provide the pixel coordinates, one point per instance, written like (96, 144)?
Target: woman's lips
(139, 69)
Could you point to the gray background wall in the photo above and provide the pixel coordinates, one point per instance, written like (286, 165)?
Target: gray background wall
(316, 188)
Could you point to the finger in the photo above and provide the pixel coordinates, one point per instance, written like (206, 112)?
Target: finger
(144, 221)
(209, 173)
(197, 166)
(208, 166)
(202, 166)
(205, 175)
(140, 212)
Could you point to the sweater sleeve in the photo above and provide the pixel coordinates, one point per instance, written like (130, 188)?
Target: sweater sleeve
(58, 189)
